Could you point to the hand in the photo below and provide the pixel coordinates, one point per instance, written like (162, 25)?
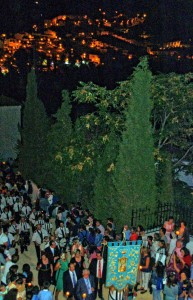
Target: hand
(92, 289)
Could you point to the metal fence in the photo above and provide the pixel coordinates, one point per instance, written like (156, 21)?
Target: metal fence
(155, 219)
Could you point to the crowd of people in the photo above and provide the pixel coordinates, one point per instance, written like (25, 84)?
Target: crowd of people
(71, 247)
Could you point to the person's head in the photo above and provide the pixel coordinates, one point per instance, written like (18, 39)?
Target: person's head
(6, 209)
(184, 251)
(110, 220)
(77, 254)
(144, 250)
(183, 276)
(26, 268)
(35, 290)
(13, 269)
(183, 223)
(171, 280)
(178, 244)
(97, 231)
(76, 242)
(38, 227)
(170, 219)
(98, 255)
(63, 256)
(61, 224)
(71, 267)
(52, 244)
(150, 239)
(2, 288)
(126, 227)
(162, 231)
(15, 258)
(13, 222)
(11, 295)
(109, 226)
(133, 229)
(156, 236)
(43, 255)
(105, 240)
(22, 220)
(185, 273)
(98, 223)
(140, 228)
(46, 285)
(162, 244)
(86, 273)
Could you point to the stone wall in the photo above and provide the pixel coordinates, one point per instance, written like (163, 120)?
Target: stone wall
(10, 118)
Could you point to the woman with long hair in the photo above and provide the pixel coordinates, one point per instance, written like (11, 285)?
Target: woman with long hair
(45, 270)
(60, 267)
(171, 288)
(145, 269)
(78, 261)
(157, 280)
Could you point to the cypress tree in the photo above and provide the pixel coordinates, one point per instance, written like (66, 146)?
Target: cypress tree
(165, 183)
(104, 190)
(57, 173)
(135, 171)
(35, 126)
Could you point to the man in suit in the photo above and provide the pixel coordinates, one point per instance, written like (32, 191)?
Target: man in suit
(85, 286)
(53, 253)
(70, 282)
(98, 270)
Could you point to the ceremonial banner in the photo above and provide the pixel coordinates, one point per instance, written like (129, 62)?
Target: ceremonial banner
(122, 264)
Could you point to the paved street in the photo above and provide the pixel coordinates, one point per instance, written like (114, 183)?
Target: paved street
(30, 257)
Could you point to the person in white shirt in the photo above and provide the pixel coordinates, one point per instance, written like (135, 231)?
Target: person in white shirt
(32, 218)
(62, 231)
(40, 220)
(38, 238)
(13, 228)
(48, 226)
(100, 226)
(17, 209)
(3, 238)
(23, 226)
(6, 216)
(26, 210)
(24, 233)
(8, 264)
(2, 206)
(3, 200)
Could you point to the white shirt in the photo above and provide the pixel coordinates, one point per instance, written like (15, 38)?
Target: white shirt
(10, 200)
(59, 231)
(5, 216)
(2, 206)
(47, 226)
(50, 199)
(13, 229)
(40, 221)
(26, 210)
(37, 236)
(3, 201)
(8, 264)
(32, 218)
(23, 226)
(17, 207)
(3, 239)
(101, 229)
